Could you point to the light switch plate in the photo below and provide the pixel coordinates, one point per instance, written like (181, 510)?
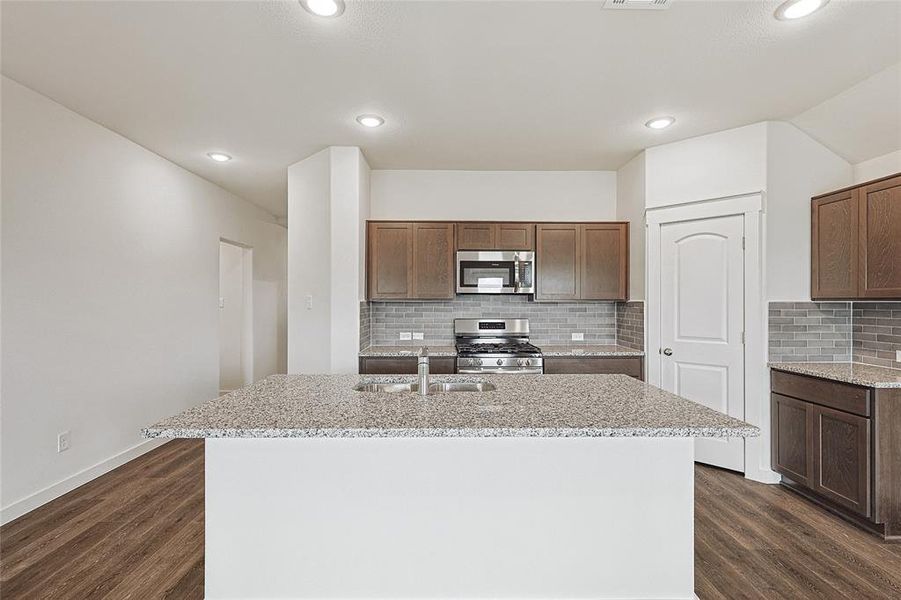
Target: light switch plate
(897, 355)
(406, 335)
(579, 337)
(309, 301)
(417, 335)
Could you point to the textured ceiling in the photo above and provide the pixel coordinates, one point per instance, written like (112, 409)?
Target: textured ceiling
(463, 85)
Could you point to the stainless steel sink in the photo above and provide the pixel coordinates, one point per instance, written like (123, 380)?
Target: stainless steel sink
(434, 388)
(461, 386)
(388, 388)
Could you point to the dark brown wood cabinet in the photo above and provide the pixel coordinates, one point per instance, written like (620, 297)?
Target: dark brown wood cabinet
(834, 246)
(838, 445)
(404, 365)
(433, 260)
(479, 235)
(856, 242)
(595, 365)
(410, 260)
(879, 214)
(390, 261)
(582, 261)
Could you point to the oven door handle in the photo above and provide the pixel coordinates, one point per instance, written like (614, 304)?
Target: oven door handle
(500, 370)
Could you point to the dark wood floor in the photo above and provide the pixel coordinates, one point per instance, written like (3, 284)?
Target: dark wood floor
(137, 533)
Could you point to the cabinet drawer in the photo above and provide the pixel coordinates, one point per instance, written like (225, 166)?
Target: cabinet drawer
(834, 394)
(588, 365)
(403, 365)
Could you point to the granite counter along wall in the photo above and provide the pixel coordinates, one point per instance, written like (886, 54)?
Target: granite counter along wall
(866, 332)
(551, 323)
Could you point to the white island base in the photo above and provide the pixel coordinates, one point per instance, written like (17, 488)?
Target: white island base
(508, 517)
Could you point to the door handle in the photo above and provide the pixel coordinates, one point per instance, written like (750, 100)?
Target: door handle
(667, 351)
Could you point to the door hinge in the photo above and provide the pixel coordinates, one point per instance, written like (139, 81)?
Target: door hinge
(742, 337)
(742, 242)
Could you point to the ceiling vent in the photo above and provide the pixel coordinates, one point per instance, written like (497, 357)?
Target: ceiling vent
(637, 4)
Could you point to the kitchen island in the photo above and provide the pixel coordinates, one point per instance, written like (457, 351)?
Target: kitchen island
(551, 486)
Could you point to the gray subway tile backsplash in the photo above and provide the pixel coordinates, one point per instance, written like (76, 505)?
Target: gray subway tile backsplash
(866, 332)
(551, 323)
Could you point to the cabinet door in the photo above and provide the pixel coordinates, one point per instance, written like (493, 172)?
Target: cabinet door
(879, 207)
(390, 260)
(834, 246)
(841, 445)
(605, 271)
(515, 236)
(792, 439)
(433, 260)
(476, 236)
(558, 274)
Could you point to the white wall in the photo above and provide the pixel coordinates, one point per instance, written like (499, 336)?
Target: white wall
(727, 163)
(328, 200)
(630, 206)
(494, 195)
(798, 167)
(110, 288)
(881, 166)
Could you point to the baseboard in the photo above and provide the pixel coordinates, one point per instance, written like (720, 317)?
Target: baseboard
(763, 476)
(29, 503)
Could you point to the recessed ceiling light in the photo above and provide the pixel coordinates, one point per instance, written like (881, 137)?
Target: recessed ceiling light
(324, 8)
(795, 9)
(370, 120)
(660, 122)
(219, 156)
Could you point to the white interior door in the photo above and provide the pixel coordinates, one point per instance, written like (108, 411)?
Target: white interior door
(231, 316)
(701, 323)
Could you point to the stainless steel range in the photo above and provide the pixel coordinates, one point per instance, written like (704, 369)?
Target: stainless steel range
(496, 346)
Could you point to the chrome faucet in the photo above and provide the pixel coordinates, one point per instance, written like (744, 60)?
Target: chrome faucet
(423, 371)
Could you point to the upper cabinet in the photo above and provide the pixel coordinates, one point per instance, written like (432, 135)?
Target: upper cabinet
(495, 236)
(856, 242)
(410, 261)
(879, 215)
(582, 261)
(834, 245)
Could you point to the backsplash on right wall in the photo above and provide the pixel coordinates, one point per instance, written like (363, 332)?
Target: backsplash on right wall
(876, 333)
(864, 332)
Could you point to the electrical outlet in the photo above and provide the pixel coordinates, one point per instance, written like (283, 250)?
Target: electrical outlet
(579, 337)
(406, 335)
(63, 441)
(417, 335)
(309, 301)
(897, 355)
(221, 302)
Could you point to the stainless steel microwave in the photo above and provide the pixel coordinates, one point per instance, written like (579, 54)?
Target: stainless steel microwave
(495, 272)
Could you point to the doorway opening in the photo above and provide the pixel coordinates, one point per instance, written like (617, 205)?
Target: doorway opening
(235, 316)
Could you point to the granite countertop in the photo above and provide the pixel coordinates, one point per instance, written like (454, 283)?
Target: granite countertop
(282, 406)
(856, 373)
(394, 351)
(555, 350)
(589, 350)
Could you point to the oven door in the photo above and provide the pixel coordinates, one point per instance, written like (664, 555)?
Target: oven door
(494, 272)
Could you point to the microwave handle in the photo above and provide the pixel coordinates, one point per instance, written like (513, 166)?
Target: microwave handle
(516, 274)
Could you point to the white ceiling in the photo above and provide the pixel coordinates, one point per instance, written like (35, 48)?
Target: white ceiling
(862, 122)
(463, 85)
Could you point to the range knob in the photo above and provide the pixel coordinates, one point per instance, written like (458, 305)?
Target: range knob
(521, 362)
(500, 362)
(477, 361)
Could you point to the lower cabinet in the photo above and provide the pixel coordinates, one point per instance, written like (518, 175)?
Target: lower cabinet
(834, 443)
(404, 365)
(595, 365)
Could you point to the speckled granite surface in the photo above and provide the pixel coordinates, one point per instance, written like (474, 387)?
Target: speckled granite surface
(523, 406)
(392, 351)
(856, 373)
(589, 350)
